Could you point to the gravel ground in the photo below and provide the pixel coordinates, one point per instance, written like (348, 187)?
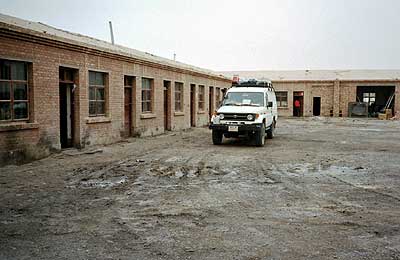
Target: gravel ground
(324, 188)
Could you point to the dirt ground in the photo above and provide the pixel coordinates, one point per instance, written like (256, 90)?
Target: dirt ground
(322, 189)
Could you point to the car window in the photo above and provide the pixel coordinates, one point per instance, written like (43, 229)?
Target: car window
(244, 99)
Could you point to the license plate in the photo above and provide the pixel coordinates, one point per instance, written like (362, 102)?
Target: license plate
(233, 128)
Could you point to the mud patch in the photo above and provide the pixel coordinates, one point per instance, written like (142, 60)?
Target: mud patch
(105, 176)
(298, 170)
(184, 170)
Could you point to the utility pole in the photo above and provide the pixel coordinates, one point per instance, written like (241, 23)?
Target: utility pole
(111, 32)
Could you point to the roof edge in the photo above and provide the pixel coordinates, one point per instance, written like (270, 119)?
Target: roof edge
(24, 27)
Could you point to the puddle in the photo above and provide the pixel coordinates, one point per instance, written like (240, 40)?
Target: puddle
(106, 176)
(179, 171)
(98, 183)
(298, 170)
(370, 129)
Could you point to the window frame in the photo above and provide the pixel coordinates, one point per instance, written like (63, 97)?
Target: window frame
(150, 95)
(201, 101)
(280, 98)
(180, 100)
(12, 99)
(371, 96)
(95, 87)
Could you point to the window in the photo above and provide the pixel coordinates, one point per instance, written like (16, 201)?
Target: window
(201, 98)
(66, 75)
(147, 91)
(178, 96)
(281, 98)
(129, 81)
(97, 101)
(369, 98)
(244, 98)
(14, 101)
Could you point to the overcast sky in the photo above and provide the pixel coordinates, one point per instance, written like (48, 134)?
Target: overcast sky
(237, 34)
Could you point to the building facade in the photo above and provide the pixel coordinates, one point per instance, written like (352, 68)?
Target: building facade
(330, 93)
(59, 89)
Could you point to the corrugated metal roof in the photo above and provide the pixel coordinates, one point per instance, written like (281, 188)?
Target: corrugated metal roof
(46, 31)
(317, 75)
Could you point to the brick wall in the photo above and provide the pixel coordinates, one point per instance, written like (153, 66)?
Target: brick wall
(45, 63)
(335, 95)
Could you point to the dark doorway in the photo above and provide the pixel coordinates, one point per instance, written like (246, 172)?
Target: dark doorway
(298, 103)
(377, 98)
(317, 106)
(66, 95)
(192, 105)
(210, 102)
(167, 105)
(129, 82)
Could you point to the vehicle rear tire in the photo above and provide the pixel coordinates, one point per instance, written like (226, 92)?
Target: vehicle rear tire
(216, 137)
(271, 131)
(260, 137)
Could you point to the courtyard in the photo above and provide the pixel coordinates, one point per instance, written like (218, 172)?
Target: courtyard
(323, 188)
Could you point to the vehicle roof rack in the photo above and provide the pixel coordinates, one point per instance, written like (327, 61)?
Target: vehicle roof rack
(254, 83)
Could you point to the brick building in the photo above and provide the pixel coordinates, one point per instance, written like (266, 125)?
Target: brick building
(60, 89)
(329, 92)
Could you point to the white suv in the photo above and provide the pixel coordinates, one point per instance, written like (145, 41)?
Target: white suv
(249, 109)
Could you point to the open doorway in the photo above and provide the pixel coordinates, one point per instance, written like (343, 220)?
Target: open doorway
(316, 106)
(67, 86)
(298, 103)
(192, 105)
(377, 98)
(167, 105)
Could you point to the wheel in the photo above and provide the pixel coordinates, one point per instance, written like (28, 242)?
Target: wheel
(271, 131)
(216, 137)
(260, 136)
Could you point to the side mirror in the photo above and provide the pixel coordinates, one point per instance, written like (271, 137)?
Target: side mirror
(270, 104)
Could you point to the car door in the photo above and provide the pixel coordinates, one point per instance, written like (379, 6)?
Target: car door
(269, 110)
(272, 97)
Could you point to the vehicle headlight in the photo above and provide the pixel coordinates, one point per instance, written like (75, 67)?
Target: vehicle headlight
(221, 116)
(250, 117)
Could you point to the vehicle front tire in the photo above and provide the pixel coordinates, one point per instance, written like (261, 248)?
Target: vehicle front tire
(271, 131)
(260, 137)
(217, 137)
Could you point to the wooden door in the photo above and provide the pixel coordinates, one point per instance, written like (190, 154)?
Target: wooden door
(128, 111)
(192, 105)
(210, 102)
(166, 105)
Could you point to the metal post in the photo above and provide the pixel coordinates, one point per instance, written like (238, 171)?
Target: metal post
(111, 32)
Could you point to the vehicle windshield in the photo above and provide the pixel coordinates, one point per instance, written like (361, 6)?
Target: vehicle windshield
(244, 99)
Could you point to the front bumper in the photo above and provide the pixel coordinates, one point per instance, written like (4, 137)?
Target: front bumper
(241, 127)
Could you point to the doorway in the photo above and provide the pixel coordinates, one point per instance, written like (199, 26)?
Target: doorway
(66, 106)
(192, 105)
(167, 105)
(129, 82)
(298, 103)
(128, 111)
(210, 102)
(377, 98)
(316, 106)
